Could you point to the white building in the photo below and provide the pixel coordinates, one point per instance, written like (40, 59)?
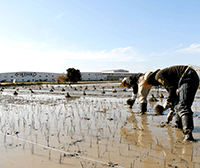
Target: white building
(116, 71)
(118, 74)
(29, 76)
(52, 77)
(93, 76)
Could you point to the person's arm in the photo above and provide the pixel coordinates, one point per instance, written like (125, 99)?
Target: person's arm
(162, 78)
(134, 93)
(172, 94)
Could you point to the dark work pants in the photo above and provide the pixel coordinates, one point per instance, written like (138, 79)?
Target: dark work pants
(187, 87)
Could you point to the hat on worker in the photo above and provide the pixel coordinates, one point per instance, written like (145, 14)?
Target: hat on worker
(124, 84)
(150, 80)
(147, 74)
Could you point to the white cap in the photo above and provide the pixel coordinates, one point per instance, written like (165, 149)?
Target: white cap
(147, 74)
(124, 79)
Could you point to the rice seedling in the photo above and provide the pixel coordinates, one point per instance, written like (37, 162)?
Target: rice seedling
(58, 123)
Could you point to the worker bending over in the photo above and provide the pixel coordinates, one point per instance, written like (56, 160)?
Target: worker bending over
(182, 83)
(136, 81)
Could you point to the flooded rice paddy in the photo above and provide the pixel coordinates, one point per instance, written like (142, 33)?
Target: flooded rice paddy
(41, 127)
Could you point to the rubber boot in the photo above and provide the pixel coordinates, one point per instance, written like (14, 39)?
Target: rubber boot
(143, 108)
(178, 122)
(188, 126)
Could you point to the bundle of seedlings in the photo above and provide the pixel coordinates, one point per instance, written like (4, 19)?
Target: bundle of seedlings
(159, 109)
(130, 102)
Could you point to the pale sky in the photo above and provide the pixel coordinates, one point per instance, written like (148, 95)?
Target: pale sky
(97, 35)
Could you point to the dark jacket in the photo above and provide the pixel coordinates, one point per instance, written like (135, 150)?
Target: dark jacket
(169, 78)
(132, 81)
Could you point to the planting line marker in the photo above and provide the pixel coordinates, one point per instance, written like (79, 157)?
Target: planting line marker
(112, 165)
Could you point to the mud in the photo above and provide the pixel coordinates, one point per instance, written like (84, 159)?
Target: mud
(40, 127)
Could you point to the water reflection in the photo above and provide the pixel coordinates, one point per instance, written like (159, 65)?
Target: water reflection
(161, 147)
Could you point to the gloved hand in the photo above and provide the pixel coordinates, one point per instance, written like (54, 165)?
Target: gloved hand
(133, 101)
(167, 105)
(170, 115)
(134, 96)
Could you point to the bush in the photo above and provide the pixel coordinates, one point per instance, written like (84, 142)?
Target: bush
(73, 75)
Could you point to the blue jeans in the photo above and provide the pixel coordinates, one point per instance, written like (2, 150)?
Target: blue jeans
(187, 87)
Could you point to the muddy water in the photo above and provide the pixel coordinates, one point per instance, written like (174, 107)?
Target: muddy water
(46, 129)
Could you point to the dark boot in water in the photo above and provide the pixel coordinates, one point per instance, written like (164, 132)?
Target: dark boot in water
(188, 136)
(187, 122)
(143, 108)
(178, 122)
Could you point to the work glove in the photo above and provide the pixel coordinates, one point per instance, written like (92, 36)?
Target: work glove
(170, 116)
(167, 105)
(134, 97)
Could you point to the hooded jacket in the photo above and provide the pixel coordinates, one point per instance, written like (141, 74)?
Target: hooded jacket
(169, 78)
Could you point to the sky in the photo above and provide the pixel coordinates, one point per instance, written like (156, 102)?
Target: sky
(97, 35)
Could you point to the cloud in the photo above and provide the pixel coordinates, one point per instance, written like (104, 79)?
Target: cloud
(59, 16)
(176, 51)
(122, 50)
(40, 50)
(180, 45)
(193, 49)
(118, 54)
(33, 57)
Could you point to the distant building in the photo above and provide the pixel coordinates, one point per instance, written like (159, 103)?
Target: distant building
(115, 71)
(52, 77)
(111, 75)
(29, 76)
(93, 76)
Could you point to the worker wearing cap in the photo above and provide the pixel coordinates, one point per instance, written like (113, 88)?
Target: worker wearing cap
(136, 81)
(182, 83)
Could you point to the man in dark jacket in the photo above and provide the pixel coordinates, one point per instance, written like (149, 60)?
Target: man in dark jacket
(136, 81)
(182, 83)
